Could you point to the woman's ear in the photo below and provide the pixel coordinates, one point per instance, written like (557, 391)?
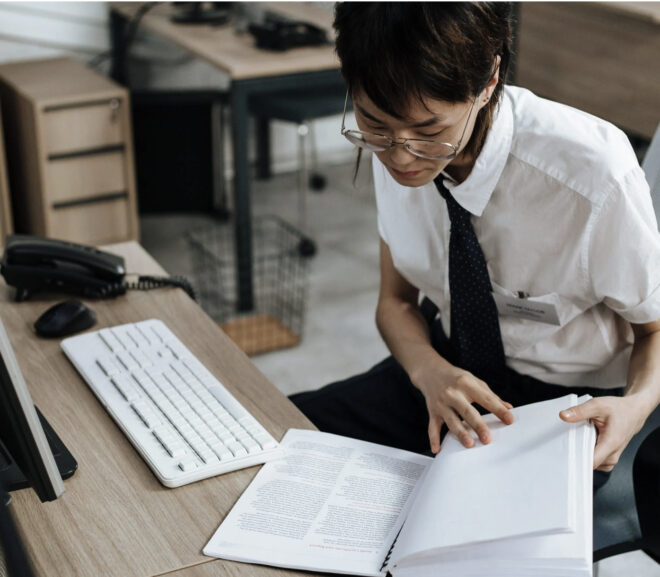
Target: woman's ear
(492, 83)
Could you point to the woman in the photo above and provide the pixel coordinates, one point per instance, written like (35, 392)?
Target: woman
(534, 217)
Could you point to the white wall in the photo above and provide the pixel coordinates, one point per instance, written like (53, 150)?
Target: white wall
(43, 29)
(30, 30)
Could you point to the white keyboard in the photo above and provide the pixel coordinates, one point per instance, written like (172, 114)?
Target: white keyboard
(179, 417)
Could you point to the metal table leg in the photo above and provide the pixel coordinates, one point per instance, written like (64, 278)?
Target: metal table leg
(242, 209)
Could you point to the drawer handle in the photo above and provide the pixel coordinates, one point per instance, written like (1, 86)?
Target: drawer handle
(88, 152)
(90, 200)
(112, 102)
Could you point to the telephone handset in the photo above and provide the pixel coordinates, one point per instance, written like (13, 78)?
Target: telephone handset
(36, 264)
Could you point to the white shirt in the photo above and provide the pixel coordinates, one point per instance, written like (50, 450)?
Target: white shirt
(563, 214)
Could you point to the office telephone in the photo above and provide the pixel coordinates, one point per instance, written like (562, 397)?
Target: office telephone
(36, 264)
(279, 34)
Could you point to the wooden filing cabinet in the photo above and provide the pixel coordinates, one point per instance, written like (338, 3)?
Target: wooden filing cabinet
(6, 226)
(69, 150)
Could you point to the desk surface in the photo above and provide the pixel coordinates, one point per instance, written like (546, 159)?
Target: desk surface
(115, 519)
(236, 53)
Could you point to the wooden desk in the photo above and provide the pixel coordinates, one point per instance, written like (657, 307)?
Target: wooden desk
(601, 57)
(252, 71)
(115, 519)
(6, 220)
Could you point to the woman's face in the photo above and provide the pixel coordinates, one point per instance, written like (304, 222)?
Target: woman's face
(431, 120)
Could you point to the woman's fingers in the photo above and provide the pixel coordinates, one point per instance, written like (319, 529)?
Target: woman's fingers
(456, 426)
(435, 426)
(471, 416)
(451, 403)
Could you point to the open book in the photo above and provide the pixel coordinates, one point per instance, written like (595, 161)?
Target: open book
(519, 506)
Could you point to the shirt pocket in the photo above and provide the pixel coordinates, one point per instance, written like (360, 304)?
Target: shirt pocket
(519, 334)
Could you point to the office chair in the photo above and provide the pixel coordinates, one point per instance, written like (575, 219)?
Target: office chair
(623, 501)
(651, 166)
(646, 474)
(627, 507)
(299, 106)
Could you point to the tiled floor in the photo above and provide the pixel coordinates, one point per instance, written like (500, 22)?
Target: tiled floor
(340, 338)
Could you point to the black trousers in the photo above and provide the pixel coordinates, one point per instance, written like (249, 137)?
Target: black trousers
(383, 406)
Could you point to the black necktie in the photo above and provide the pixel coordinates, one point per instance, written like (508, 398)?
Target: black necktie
(475, 328)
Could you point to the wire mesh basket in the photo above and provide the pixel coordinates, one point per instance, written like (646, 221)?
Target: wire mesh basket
(279, 283)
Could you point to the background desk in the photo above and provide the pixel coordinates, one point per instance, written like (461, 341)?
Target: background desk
(115, 519)
(252, 71)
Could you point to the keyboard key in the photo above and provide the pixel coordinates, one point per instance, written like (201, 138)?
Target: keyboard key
(229, 403)
(178, 350)
(141, 358)
(251, 446)
(223, 452)
(171, 443)
(150, 418)
(188, 465)
(236, 448)
(146, 333)
(210, 458)
(127, 360)
(226, 438)
(266, 441)
(109, 365)
(111, 341)
(125, 387)
(137, 337)
(163, 333)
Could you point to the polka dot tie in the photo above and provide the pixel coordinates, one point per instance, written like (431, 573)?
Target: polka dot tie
(475, 328)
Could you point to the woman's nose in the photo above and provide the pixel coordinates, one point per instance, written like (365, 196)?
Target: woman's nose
(401, 155)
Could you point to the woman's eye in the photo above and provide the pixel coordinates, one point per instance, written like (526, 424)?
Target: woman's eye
(430, 136)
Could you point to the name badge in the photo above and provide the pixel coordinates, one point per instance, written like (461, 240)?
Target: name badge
(526, 309)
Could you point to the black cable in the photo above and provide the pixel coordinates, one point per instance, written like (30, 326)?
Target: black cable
(147, 282)
(129, 36)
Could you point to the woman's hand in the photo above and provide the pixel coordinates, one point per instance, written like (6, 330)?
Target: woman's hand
(450, 393)
(617, 420)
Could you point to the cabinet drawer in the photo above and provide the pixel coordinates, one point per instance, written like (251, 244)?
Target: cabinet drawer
(82, 177)
(83, 127)
(101, 222)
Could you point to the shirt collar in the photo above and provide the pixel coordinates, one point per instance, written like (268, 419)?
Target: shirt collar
(475, 191)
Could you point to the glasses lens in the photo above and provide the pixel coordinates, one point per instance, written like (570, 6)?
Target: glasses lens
(372, 142)
(433, 150)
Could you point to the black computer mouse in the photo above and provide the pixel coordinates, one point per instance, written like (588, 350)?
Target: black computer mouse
(64, 319)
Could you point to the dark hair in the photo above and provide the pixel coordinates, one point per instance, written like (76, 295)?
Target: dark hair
(396, 51)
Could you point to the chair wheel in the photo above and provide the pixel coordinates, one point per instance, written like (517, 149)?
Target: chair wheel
(317, 182)
(306, 247)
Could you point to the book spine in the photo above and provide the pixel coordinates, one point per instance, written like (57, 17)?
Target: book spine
(389, 552)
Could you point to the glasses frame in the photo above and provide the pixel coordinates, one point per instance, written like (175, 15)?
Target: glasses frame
(405, 142)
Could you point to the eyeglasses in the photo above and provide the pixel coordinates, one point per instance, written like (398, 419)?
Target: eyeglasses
(429, 149)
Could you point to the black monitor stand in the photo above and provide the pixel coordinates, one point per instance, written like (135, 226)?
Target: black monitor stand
(11, 476)
(13, 556)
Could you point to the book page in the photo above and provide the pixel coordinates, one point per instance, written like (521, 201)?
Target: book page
(518, 485)
(547, 555)
(329, 504)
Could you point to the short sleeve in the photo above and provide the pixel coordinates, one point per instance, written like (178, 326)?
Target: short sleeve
(624, 251)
